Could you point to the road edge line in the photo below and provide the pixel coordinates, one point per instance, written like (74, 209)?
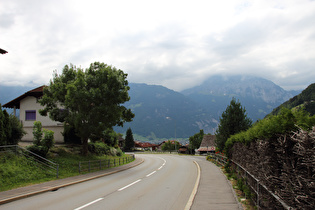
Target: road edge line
(194, 192)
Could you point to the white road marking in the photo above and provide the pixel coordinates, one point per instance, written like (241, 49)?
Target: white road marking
(194, 192)
(150, 174)
(88, 204)
(162, 164)
(129, 185)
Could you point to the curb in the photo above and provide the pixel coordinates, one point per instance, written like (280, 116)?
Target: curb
(25, 195)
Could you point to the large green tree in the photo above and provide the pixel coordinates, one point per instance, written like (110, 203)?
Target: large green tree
(170, 146)
(129, 141)
(233, 120)
(91, 100)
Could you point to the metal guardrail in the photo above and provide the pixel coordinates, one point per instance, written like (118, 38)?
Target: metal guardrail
(255, 185)
(43, 163)
(94, 165)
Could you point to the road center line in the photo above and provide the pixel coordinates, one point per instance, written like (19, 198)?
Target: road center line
(129, 185)
(88, 204)
(162, 164)
(150, 174)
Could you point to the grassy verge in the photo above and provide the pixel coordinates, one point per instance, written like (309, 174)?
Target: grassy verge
(18, 171)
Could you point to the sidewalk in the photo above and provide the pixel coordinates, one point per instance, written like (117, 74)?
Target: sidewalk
(11, 195)
(214, 191)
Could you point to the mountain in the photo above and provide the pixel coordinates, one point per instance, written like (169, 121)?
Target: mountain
(306, 99)
(259, 96)
(8, 93)
(164, 113)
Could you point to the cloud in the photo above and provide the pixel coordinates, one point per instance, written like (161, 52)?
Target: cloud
(177, 44)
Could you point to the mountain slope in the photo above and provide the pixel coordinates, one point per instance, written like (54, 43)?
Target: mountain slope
(259, 96)
(163, 113)
(305, 99)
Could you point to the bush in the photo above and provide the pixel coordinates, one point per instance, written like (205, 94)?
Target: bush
(119, 152)
(11, 129)
(38, 150)
(99, 148)
(17, 131)
(41, 145)
(37, 133)
(48, 140)
(272, 127)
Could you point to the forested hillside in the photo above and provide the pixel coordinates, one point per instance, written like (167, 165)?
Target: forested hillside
(164, 113)
(305, 100)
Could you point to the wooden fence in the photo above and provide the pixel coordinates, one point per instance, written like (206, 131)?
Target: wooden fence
(259, 190)
(95, 165)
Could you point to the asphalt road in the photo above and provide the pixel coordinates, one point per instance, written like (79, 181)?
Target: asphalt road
(161, 182)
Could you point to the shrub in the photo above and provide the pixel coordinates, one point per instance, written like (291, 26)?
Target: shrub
(48, 140)
(41, 145)
(17, 131)
(119, 152)
(37, 133)
(272, 127)
(99, 148)
(38, 150)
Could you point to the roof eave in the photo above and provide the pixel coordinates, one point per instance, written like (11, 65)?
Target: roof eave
(15, 103)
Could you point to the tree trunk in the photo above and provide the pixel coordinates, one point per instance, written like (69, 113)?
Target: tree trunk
(84, 146)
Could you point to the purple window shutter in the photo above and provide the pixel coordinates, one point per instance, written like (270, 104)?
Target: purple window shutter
(30, 115)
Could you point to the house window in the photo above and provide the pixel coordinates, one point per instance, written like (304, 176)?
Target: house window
(30, 115)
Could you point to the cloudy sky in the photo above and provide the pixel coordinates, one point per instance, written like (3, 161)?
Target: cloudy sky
(177, 44)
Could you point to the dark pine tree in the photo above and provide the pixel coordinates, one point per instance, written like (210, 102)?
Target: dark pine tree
(129, 141)
(233, 120)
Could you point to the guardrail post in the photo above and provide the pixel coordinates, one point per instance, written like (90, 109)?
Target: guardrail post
(100, 164)
(89, 165)
(57, 170)
(79, 167)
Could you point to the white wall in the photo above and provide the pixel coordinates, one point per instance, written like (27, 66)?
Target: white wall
(30, 103)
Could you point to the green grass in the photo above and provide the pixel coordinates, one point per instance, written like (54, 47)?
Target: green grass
(18, 171)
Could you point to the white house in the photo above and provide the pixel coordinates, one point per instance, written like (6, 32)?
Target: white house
(29, 113)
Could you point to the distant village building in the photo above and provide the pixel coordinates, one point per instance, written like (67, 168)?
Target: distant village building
(184, 149)
(29, 113)
(207, 144)
(145, 146)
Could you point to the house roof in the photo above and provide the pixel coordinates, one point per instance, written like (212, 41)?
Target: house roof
(144, 144)
(207, 143)
(37, 92)
(3, 51)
